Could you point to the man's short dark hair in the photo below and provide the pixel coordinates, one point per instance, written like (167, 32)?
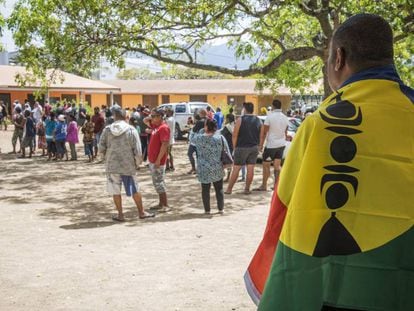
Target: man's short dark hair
(277, 104)
(366, 39)
(248, 106)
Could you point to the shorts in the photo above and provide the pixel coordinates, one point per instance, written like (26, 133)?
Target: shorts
(27, 141)
(51, 146)
(60, 147)
(96, 139)
(88, 147)
(158, 176)
(114, 182)
(270, 154)
(243, 156)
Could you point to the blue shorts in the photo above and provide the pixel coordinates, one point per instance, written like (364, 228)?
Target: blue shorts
(114, 182)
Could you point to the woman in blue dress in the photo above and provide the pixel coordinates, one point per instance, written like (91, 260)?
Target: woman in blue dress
(209, 145)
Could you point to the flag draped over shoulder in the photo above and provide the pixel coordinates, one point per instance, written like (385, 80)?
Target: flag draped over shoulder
(340, 229)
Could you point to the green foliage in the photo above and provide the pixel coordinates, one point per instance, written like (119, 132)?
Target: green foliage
(170, 72)
(288, 40)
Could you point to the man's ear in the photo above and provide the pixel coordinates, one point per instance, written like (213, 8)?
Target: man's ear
(339, 59)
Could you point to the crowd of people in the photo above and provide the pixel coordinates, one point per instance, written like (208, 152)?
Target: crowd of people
(55, 132)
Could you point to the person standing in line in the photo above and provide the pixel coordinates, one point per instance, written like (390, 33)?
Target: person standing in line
(143, 135)
(171, 124)
(81, 116)
(218, 116)
(29, 134)
(99, 124)
(19, 122)
(50, 126)
(87, 131)
(60, 138)
(274, 133)
(246, 139)
(120, 147)
(41, 135)
(3, 115)
(72, 137)
(227, 133)
(47, 108)
(157, 154)
(209, 113)
(210, 169)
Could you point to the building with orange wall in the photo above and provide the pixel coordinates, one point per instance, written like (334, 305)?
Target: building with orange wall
(218, 93)
(69, 87)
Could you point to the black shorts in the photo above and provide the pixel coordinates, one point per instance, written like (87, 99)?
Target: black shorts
(270, 154)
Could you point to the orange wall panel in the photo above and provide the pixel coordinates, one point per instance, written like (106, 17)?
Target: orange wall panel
(176, 98)
(131, 100)
(97, 100)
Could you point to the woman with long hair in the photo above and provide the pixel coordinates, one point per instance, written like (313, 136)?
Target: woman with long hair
(210, 170)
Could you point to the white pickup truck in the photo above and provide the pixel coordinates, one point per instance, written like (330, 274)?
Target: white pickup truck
(182, 111)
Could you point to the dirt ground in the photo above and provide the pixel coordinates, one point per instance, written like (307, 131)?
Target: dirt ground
(61, 251)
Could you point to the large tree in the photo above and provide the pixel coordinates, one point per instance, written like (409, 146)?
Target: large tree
(288, 40)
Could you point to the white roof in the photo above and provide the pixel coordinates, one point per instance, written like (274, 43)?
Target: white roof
(193, 87)
(70, 81)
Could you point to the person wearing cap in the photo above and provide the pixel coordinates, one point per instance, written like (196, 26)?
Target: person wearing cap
(120, 147)
(157, 154)
(60, 138)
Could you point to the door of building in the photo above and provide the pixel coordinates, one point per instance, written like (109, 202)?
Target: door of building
(150, 100)
(198, 98)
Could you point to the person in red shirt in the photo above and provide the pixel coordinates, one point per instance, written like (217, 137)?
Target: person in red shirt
(99, 124)
(157, 154)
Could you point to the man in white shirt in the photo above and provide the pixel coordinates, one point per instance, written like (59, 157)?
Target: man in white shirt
(37, 112)
(274, 131)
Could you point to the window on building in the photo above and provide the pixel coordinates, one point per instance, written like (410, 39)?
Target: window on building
(236, 102)
(198, 98)
(165, 99)
(88, 99)
(117, 99)
(54, 100)
(69, 98)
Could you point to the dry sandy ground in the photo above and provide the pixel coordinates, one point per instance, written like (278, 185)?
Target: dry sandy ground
(59, 249)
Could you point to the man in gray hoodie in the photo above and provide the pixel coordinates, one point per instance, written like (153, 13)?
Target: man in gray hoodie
(121, 148)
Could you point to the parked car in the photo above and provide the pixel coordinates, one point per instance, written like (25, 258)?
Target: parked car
(182, 111)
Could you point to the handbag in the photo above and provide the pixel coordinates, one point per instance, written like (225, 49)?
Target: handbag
(226, 158)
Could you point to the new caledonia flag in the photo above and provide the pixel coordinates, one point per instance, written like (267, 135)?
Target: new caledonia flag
(340, 229)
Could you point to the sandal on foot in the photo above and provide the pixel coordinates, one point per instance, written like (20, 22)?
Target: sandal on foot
(227, 192)
(259, 189)
(117, 218)
(246, 191)
(164, 209)
(147, 215)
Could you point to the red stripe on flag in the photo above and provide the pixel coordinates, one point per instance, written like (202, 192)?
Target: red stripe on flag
(261, 263)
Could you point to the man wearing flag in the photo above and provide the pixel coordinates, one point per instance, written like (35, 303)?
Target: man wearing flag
(340, 233)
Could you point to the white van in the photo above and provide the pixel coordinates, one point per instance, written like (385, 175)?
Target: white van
(182, 111)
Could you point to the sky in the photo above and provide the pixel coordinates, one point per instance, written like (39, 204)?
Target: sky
(6, 39)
